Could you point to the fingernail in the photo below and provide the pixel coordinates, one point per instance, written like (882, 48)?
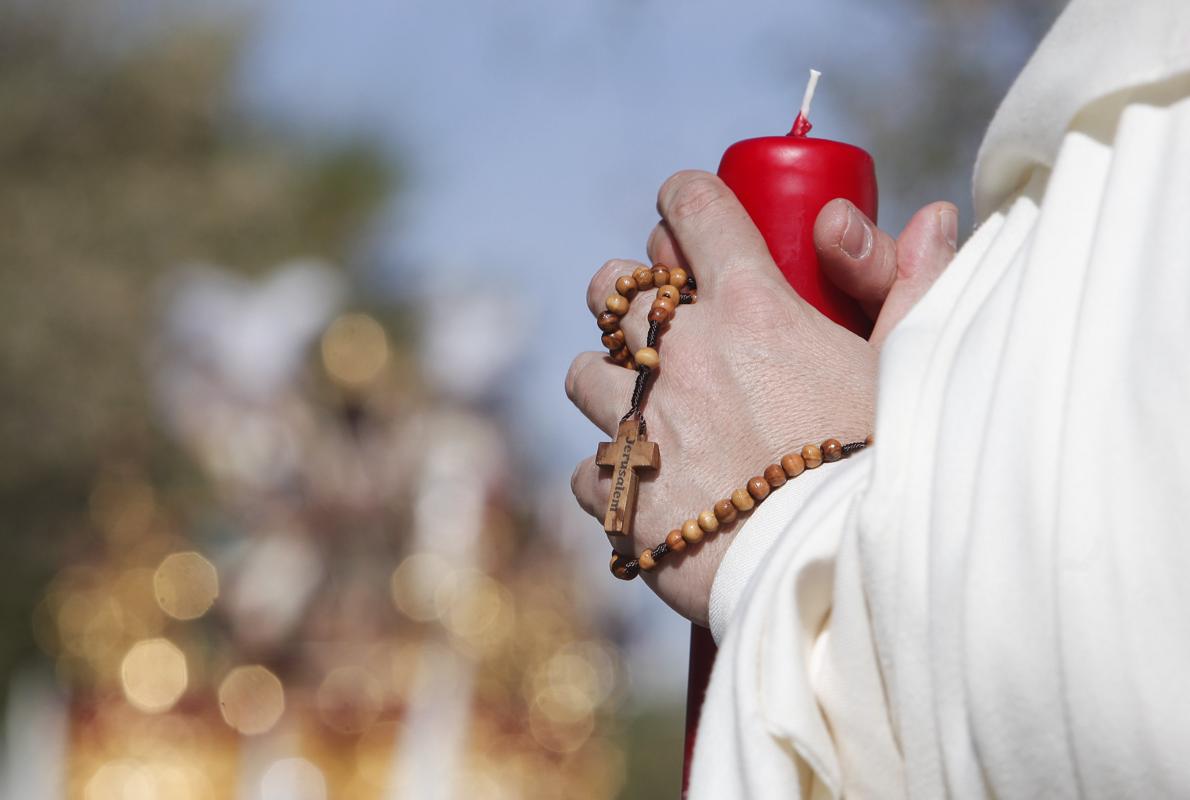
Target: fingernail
(948, 226)
(856, 240)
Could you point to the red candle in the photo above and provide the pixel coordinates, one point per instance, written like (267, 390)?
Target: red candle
(783, 182)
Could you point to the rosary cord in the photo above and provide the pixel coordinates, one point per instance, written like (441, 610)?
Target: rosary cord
(643, 373)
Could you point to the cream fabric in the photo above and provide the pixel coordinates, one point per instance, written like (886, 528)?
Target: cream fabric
(995, 601)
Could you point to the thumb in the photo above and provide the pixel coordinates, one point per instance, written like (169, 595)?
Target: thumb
(924, 249)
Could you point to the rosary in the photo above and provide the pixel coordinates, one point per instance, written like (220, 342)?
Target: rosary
(632, 451)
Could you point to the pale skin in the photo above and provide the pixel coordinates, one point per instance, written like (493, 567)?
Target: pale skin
(750, 371)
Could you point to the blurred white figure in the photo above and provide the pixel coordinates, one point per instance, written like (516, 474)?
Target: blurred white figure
(36, 738)
(461, 455)
(229, 355)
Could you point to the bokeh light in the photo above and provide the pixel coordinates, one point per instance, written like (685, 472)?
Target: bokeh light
(349, 700)
(186, 585)
(123, 779)
(422, 586)
(293, 779)
(154, 675)
(354, 350)
(251, 699)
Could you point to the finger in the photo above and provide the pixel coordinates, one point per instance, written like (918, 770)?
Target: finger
(590, 487)
(663, 248)
(714, 232)
(924, 250)
(603, 284)
(855, 255)
(600, 389)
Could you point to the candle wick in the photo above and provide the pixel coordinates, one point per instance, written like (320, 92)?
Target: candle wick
(801, 125)
(808, 97)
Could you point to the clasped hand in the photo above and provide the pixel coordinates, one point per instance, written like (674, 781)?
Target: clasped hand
(750, 371)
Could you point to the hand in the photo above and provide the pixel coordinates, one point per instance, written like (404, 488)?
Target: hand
(748, 372)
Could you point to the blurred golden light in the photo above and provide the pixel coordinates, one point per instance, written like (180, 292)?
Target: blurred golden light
(349, 700)
(374, 755)
(251, 699)
(186, 585)
(154, 675)
(293, 779)
(480, 613)
(124, 779)
(354, 349)
(570, 688)
(558, 735)
(422, 585)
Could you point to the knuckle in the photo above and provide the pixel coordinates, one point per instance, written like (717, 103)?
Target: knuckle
(574, 376)
(655, 237)
(576, 477)
(693, 194)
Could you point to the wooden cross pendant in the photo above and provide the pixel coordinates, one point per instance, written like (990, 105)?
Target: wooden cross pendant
(628, 453)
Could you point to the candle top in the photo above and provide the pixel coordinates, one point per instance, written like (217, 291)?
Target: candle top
(801, 125)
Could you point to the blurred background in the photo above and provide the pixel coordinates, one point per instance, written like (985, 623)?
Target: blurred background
(288, 290)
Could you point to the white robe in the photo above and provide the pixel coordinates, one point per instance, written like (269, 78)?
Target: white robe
(995, 600)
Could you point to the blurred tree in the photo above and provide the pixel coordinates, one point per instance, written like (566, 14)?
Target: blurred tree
(115, 163)
(925, 123)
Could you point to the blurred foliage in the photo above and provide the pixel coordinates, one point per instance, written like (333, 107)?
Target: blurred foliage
(656, 741)
(926, 123)
(116, 163)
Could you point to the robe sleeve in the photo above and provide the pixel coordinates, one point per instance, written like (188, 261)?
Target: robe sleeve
(992, 602)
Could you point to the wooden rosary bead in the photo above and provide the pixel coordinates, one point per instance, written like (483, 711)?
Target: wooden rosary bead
(725, 511)
(666, 302)
(742, 500)
(617, 304)
(630, 364)
(870, 440)
(613, 340)
(832, 450)
(607, 322)
(793, 465)
(660, 275)
(675, 541)
(626, 285)
(659, 314)
(774, 476)
(758, 487)
(620, 356)
(646, 560)
(812, 455)
(648, 357)
(692, 532)
(708, 521)
(678, 277)
(643, 277)
(669, 291)
(619, 567)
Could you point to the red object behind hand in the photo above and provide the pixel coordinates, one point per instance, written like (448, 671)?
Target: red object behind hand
(784, 182)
